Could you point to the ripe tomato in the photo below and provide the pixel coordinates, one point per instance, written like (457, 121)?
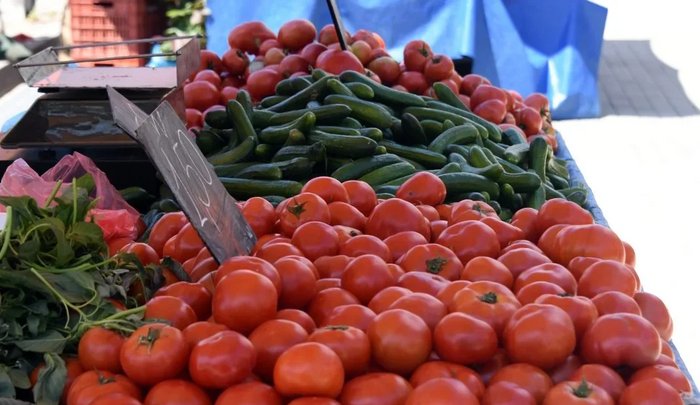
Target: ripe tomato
(400, 340)
(298, 316)
(350, 344)
(402, 242)
(201, 95)
(99, 350)
(519, 260)
(194, 118)
(356, 315)
(115, 398)
(442, 390)
(386, 68)
(198, 331)
(607, 275)
(362, 50)
(416, 54)
(561, 211)
(470, 82)
(447, 294)
(468, 209)
(248, 36)
(602, 376)
(261, 83)
(668, 374)
(260, 215)
(430, 309)
(526, 220)
(184, 245)
(529, 120)
(580, 309)
(365, 276)
(530, 326)
(328, 188)
(487, 92)
(243, 300)
(551, 272)
(650, 391)
(621, 339)
(154, 353)
(273, 57)
(222, 360)
(463, 339)
(295, 34)
(507, 393)
(376, 388)
(328, 35)
(413, 82)
(579, 264)
(491, 110)
(90, 385)
(365, 245)
(311, 51)
(235, 61)
(309, 369)
(532, 291)
(269, 44)
(346, 215)
(210, 76)
(422, 282)
(654, 310)
(443, 369)
(209, 60)
(577, 393)
(195, 295)
(336, 61)
(345, 233)
(313, 401)
(592, 240)
(523, 243)
(470, 239)
(360, 195)
(304, 207)
(423, 188)
(252, 263)
(487, 269)
(526, 376)
(271, 339)
(272, 252)
(490, 302)
(298, 282)
(429, 212)
(383, 299)
(170, 309)
(323, 283)
(165, 228)
(249, 393)
(316, 239)
(613, 302)
(176, 392)
(331, 266)
(432, 258)
(326, 300)
(506, 232)
(563, 371)
(292, 64)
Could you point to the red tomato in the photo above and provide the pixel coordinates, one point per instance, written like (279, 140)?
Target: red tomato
(561, 211)
(551, 272)
(154, 353)
(565, 370)
(304, 207)
(507, 393)
(235, 61)
(222, 360)
(299, 317)
(249, 35)
(416, 54)
(316, 239)
(527, 376)
(260, 215)
(592, 240)
(314, 401)
(331, 266)
(291, 64)
(328, 35)
(442, 390)
(350, 344)
(487, 92)
(360, 195)
(227, 94)
(143, 252)
(171, 309)
(396, 215)
(487, 269)
(654, 310)
(115, 398)
(99, 350)
(581, 310)
(386, 68)
(506, 232)
(521, 259)
(210, 76)
(383, 299)
(90, 385)
(326, 300)
(443, 369)
(533, 324)
(602, 376)
(402, 242)
(413, 82)
(243, 300)
(400, 340)
(470, 239)
(176, 392)
(165, 228)
(298, 282)
(194, 118)
(529, 120)
(362, 50)
(249, 393)
(463, 339)
(195, 295)
(309, 369)
(488, 301)
(423, 188)
(577, 393)
(365, 276)
(532, 291)
(356, 315)
(336, 61)
(607, 275)
(613, 302)
(439, 67)
(252, 263)
(184, 245)
(430, 309)
(470, 82)
(669, 374)
(261, 83)
(296, 34)
(198, 331)
(650, 391)
(376, 388)
(328, 188)
(526, 220)
(432, 258)
(209, 60)
(201, 95)
(492, 110)
(447, 294)
(271, 339)
(621, 339)
(423, 282)
(346, 215)
(311, 52)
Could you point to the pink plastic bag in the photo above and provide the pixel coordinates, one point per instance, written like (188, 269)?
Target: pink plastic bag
(112, 213)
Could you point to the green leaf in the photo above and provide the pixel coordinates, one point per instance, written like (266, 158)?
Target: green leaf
(51, 380)
(74, 287)
(7, 389)
(86, 233)
(39, 307)
(19, 378)
(51, 342)
(86, 182)
(30, 248)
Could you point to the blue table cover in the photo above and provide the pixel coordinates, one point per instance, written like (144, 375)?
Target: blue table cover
(549, 46)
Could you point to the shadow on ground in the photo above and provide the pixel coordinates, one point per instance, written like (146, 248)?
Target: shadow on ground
(633, 81)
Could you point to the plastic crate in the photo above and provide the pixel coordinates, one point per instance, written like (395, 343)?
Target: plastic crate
(95, 21)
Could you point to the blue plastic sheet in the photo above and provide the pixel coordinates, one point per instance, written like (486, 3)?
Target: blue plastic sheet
(549, 46)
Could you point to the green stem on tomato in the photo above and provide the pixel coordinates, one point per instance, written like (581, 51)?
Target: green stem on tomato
(7, 233)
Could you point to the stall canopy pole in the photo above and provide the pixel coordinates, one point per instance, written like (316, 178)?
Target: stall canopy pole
(338, 23)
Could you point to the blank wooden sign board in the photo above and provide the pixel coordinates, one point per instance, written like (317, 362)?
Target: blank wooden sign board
(205, 201)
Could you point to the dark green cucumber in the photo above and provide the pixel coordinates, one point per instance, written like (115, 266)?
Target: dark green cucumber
(296, 137)
(427, 113)
(385, 196)
(325, 113)
(509, 167)
(446, 95)
(558, 182)
(334, 163)
(508, 195)
(537, 198)
(289, 86)
(462, 150)
(231, 170)
(209, 142)
(506, 214)
(296, 168)
(336, 87)
(350, 122)
(383, 93)
(452, 167)
(399, 181)
(497, 149)
(269, 101)
(218, 119)
(448, 124)
(517, 154)
(362, 166)
(431, 128)
(243, 97)
(550, 192)
(525, 182)
(261, 118)
(361, 90)
(338, 130)
(459, 183)
(241, 120)
(278, 134)
(344, 145)
(489, 155)
(264, 152)
(512, 136)
(459, 135)
(318, 74)
(245, 188)
(367, 112)
(387, 173)
(494, 132)
(262, 171)
(411, 131)
(416, 165)
(389, 189)
(495, 205)
(478, 157)
(275, 200)
(316, 152)
(299, 99)
(538, 157)
(379, 150)
(425, 157)
(576, 194)
(456, 158)
(372, 133)
(492, 171)
(558, 167)
(240, 153)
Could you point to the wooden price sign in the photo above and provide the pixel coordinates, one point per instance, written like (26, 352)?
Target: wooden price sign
(205, 201)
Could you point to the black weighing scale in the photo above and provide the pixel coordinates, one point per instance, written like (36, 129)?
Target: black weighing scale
(74, 114)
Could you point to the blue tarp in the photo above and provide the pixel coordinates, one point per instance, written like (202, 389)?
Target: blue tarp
(549, 46)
